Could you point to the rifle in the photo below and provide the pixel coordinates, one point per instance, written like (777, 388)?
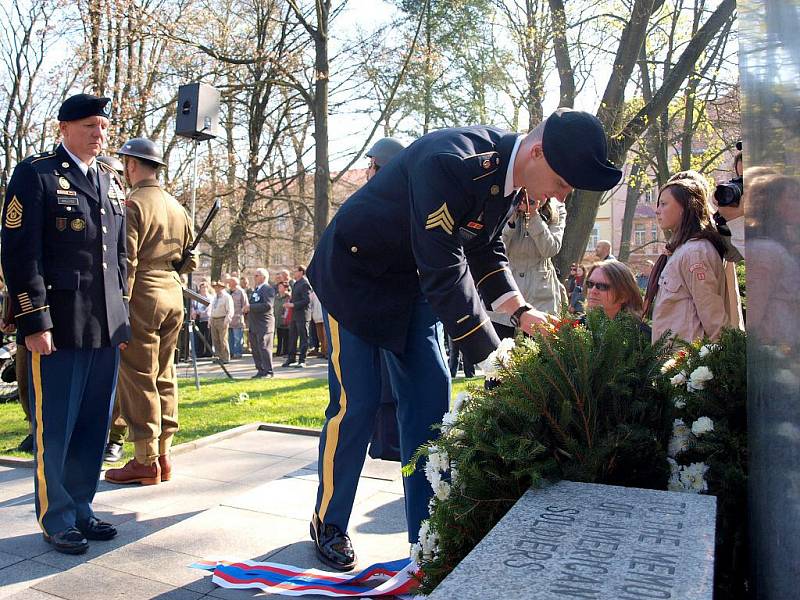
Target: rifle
(187, 254)
(190, 294)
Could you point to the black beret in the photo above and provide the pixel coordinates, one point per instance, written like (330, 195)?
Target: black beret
(81, 106)
(574, 146)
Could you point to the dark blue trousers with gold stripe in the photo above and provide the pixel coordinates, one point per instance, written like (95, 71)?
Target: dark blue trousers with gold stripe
(71, 396)
(421, 383)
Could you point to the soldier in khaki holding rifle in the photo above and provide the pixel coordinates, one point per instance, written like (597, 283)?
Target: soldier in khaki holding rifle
(159, 233)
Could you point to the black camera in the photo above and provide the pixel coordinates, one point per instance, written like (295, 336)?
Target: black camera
(729, 193)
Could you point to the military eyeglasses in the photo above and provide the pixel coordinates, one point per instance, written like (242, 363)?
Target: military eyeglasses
(601, 287)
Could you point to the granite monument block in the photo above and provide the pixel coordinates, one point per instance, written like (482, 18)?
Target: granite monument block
(595, 542)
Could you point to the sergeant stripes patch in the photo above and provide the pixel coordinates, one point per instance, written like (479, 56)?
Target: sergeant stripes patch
(440, 218)
(13, 214)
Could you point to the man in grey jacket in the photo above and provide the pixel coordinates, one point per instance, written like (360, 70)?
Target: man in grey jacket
(261, 323)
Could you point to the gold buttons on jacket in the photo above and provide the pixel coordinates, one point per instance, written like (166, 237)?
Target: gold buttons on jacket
(354, 249)
(495, 189)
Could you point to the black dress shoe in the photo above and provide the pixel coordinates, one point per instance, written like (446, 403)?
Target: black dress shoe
(113, 452)
(257, 375)
(95, 529)
(287, 363)
(26, 445)
(69, 541)
(334, 547)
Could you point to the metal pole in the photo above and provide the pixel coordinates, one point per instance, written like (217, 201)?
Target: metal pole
(190, 321)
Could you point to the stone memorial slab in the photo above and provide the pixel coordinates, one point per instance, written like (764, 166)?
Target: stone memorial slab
(596, 542)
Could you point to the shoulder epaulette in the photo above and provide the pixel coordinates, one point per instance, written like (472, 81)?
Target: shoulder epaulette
(41, 156)
(483, 164)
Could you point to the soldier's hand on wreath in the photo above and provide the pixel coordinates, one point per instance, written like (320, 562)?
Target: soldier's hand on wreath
(532, 320)
(123, 345)
(40, 342)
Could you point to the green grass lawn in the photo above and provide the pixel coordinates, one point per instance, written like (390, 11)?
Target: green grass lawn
(221, 404)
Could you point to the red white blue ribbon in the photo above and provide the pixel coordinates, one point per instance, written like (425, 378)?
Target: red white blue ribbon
(396, 579)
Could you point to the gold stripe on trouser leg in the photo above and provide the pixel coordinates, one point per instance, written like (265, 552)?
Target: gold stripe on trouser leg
(36, 373)
(332, 431)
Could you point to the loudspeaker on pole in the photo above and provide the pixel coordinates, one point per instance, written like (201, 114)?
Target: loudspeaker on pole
(198, 111)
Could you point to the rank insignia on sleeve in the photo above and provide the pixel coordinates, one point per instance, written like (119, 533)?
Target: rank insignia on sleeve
(13, 214)
(77, 224)
(440, 218)
(61, 223)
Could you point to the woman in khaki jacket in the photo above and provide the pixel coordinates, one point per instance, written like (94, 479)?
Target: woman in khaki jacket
(532, 237)
(687, 289)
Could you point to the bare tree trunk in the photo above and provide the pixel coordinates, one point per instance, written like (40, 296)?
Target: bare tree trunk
(322, 174)
(566, 73)
(583, 205)
(631, 200)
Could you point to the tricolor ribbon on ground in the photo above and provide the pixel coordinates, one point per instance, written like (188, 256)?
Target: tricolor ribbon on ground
(396, 577)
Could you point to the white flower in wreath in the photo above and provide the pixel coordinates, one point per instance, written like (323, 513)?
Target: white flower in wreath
(460, 401)
(674, 484)
(416, 552)
(448, 420)
(438, 459)
(669, 365)
(432, 473)
(707, 349)
(678, 379)
(457, 433)
(698, 378)
(442, 491)
(679, 401)
(693, 477)
(702, 425)
(504, 349)
(680, 438)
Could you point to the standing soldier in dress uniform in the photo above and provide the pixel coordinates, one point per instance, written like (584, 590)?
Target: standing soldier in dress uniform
(159, 230)
(418, 244)
(63, 255)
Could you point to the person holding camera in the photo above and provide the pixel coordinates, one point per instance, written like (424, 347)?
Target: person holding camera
(687, 291)
(532, 236)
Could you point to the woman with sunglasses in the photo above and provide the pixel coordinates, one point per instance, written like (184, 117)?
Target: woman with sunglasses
(687, 291)
(610, 285)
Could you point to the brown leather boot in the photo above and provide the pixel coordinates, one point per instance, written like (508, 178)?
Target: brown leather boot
(135, 472)
(165, 462)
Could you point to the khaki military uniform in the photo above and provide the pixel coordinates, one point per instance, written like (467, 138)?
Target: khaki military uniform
(158, 232)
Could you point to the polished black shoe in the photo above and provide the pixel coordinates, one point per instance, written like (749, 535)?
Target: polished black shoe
(334, 547)
(26, 445)
(95, 529)
(287, 363)
(113, 452)
(300, 365)
(69, 541)
(257, 375)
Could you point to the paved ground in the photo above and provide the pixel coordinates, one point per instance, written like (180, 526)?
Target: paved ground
(245, 497)
(242, 368)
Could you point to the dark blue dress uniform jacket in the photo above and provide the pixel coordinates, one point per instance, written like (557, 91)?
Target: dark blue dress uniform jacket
(63, 253)
(429, 222)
